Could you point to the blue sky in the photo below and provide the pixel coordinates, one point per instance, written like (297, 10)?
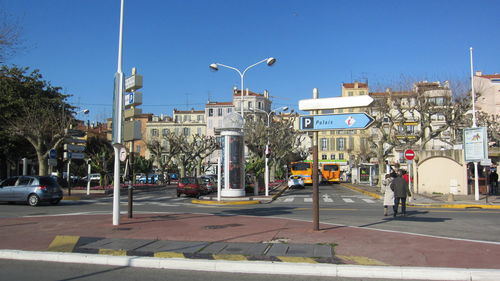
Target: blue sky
(317, 44)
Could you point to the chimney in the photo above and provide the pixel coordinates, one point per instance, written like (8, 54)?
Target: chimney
(479, 73)
(266, 94)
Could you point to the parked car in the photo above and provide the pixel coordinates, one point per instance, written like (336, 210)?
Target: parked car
(295, 181)
(192, 186)
(31, 189)
(210, 183)
(152, 178)
(95, 177)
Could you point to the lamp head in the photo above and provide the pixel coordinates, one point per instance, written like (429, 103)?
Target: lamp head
(214, 67)
(284, 108)
(271, 61)
(86, 111)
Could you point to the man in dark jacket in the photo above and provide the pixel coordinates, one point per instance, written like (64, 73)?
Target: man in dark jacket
(401, 191)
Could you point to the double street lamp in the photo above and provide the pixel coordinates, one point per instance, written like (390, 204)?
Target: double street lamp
(215, 66)
(266, 152)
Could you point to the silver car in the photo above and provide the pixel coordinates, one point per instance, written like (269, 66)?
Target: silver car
(31, 189)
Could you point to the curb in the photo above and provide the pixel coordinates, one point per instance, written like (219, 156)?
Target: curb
(372, 194)
(212, 202)
(260, 267)
(455, 206)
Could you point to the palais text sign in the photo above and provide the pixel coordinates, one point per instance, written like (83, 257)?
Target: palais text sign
(347, 121)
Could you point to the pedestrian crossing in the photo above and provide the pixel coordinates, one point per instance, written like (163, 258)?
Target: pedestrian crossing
(147, 200)
(327, 199)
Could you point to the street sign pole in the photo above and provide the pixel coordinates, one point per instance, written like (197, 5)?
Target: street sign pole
(315, 172)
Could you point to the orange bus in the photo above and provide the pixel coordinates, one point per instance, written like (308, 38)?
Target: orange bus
(330, 172)
(303, 169)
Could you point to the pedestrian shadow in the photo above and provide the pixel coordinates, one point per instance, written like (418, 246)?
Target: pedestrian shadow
(259, 212)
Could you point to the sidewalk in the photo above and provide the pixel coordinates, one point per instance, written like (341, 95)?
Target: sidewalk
(435, 200)
(203, 239)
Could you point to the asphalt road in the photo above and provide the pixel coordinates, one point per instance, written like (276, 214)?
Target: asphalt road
(338, 205)
(51, 271)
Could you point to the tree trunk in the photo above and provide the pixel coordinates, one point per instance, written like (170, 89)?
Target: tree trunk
(42, 164)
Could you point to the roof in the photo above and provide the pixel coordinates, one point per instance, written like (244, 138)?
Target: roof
(237, 92)
(352, 85)
(490, 76)
(214, 103)
(192, 111)
(384, 94)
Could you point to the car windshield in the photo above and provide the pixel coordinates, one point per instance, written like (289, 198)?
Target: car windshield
(188, 180)
(301, 166)
(331, 168)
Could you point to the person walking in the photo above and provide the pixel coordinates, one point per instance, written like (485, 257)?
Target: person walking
(493, 182)
(401, 191)
(388, 193)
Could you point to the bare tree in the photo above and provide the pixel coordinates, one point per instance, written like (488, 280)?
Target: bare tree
(10, 36)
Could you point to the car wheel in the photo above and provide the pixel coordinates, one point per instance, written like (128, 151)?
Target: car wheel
(33, 200)
(178, 194)
(55, 202)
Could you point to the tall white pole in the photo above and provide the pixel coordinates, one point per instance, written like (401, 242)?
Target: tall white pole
(219, 178)
(118, 120)
(267, 159)
(242, 116)
(474, 125)
(89, 170)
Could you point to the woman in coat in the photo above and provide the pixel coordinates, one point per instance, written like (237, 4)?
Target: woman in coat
(388, 193)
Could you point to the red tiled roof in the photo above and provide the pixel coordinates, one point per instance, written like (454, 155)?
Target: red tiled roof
(250, 93)
(351, 85)
(491, 76)
(214, 103)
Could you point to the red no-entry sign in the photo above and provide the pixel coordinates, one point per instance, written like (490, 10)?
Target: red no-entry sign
(409, 154)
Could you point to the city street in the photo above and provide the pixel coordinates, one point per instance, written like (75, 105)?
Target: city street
(338, 206)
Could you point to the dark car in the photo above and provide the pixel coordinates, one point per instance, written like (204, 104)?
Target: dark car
(210, 183)
(192, 186)
(31, 189)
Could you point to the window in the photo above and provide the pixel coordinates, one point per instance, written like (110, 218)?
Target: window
(250, 105)
(154, 132)
(187, 118)
(229, 110)
(138, 148)
(323, 157)
(341, 156)
(209, 124)
(324, 143)
(332, 156)
(350, 93)
(341, 144)
(177, 131)
(24, 181)
(219, 112)
(165, 132)
(198, 131)
(259, 105)
(210, 112)
(185, 131)
(327, 111)
(361, 93)
(200, 118)
(340, 110)
(176, 118)
(10, 181)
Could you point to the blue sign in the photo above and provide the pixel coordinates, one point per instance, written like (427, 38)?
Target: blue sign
(346, 121)
(52, 154)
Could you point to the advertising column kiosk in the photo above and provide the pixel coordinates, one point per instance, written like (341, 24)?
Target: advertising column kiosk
(233, 161)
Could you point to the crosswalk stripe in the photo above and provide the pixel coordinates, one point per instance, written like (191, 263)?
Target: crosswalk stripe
(348, 200)
(308, 200)
(368, 200)
(290, 199)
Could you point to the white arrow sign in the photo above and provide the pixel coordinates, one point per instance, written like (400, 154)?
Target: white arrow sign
(333, 103)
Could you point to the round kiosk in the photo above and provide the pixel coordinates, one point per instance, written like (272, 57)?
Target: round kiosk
(233, 158)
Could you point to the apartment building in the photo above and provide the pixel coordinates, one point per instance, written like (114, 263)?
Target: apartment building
(487, 86)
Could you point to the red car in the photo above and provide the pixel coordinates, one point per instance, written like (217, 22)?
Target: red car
(191, 186)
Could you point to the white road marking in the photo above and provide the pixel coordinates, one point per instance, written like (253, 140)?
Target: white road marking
(348, 200)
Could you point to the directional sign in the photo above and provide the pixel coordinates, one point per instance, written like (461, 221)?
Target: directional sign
(332, 103)
(74, 133)
(75, 141)
(335, 122)
(74, 155)
(75, 148)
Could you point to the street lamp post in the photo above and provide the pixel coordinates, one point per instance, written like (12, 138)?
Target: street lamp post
(215, 66)
(266, 152)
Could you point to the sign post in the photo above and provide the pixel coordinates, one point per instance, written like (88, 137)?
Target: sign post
(409, 156)
(315, 123)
